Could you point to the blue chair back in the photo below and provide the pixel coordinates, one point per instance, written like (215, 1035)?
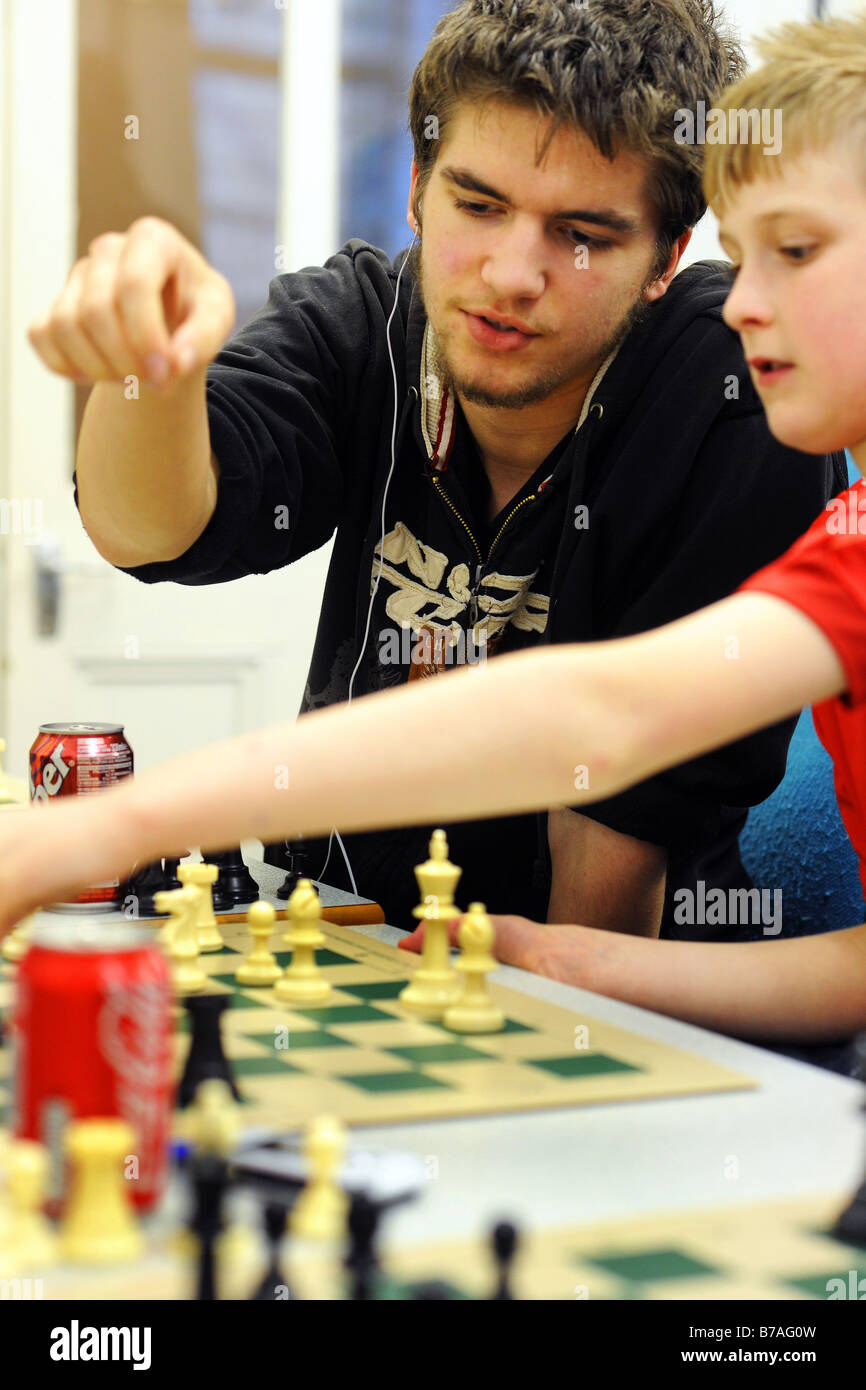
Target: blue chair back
(796, 841)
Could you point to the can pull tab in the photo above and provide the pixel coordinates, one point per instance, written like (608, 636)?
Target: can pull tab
(48, 569)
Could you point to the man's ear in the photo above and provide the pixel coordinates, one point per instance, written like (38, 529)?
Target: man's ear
(659, 287)
(410, 211)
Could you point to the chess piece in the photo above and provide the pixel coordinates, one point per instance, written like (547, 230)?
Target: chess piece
(474, 1011)
(504, 1244)
(362, 1260)
(434, 984)
(206, 1059)
(851, 1225)
(302, 981)
(235, 884)
(30, 1238)
(145, 883)
(320, 1211)
(433, 1291)
(260, 967)
(172, 882)
(212, 1123)
(98, 1224)
(274, 1286)
(16, 945)
(209, 1174)
(203, 877)
(13, 791)
(295, 857)
(179, 939)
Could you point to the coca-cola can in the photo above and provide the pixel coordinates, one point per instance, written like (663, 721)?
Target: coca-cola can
(75, 760)
(92, 1032)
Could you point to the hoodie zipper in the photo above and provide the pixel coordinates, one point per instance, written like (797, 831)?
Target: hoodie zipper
(473, 609)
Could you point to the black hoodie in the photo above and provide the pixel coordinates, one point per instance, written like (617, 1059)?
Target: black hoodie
(669, 493)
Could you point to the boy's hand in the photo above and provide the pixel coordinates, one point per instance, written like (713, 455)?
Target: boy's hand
(141, 303)
(49, 852)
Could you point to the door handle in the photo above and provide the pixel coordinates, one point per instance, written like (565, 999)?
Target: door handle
(48, 569)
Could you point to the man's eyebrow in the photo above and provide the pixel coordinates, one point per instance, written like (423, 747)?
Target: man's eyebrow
(598, 217)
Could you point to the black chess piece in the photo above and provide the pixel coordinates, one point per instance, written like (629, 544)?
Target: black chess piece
(235, 885)
(434, 1291)
(171, 878)
(206, 1059)
(504, 1244)
(362, 1260)
(209, 1175)
(274, 1285)
(296, 858)
(145, 883)
(851, 1225)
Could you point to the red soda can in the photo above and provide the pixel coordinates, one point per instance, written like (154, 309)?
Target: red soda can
(75, 760)
(92, 1036)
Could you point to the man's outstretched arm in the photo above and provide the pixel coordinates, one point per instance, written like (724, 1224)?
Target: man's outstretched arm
(808, 989)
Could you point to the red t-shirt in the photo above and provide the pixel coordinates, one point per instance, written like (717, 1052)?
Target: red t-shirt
(824, 575)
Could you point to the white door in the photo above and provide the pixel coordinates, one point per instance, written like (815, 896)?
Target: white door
(178, 667)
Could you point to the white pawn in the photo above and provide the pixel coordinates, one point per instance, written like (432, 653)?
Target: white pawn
(17, 943)
(213, 1121)
(13, 792)
(30, 1237)
(260, 966)
(474, 1011)
(320, 1211)
(98, 1224)
(303, 981)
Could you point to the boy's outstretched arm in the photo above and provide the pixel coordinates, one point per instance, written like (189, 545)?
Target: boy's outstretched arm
(508, 737)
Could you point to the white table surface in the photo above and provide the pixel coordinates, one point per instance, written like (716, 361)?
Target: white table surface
(801, 1131)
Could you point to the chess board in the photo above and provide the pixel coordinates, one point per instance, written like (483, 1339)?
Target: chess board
(361, 1059)
(775, 1250)
(781, 1250)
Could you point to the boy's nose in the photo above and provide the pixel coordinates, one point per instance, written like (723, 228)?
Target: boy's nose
(746, 304)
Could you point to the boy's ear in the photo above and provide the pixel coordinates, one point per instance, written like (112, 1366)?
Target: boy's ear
(659, 287)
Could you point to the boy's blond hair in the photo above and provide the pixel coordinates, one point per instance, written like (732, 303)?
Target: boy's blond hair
(815, 74)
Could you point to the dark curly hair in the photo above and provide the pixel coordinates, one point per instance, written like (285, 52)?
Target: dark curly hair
(617, 70)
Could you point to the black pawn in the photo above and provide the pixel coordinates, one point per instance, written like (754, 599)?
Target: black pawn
(362, 1261)
(504, 1243)
(144, 884)
(274, 1286)
(434, 1291)
(851, 1225)
(235, 884)
(296, 858)
(206, 1059)
(172, 882)
(209, 1178)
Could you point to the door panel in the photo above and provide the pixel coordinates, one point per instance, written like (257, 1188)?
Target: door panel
(178, 667)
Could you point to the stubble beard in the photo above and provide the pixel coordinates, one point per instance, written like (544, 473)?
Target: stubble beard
(541, 388)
